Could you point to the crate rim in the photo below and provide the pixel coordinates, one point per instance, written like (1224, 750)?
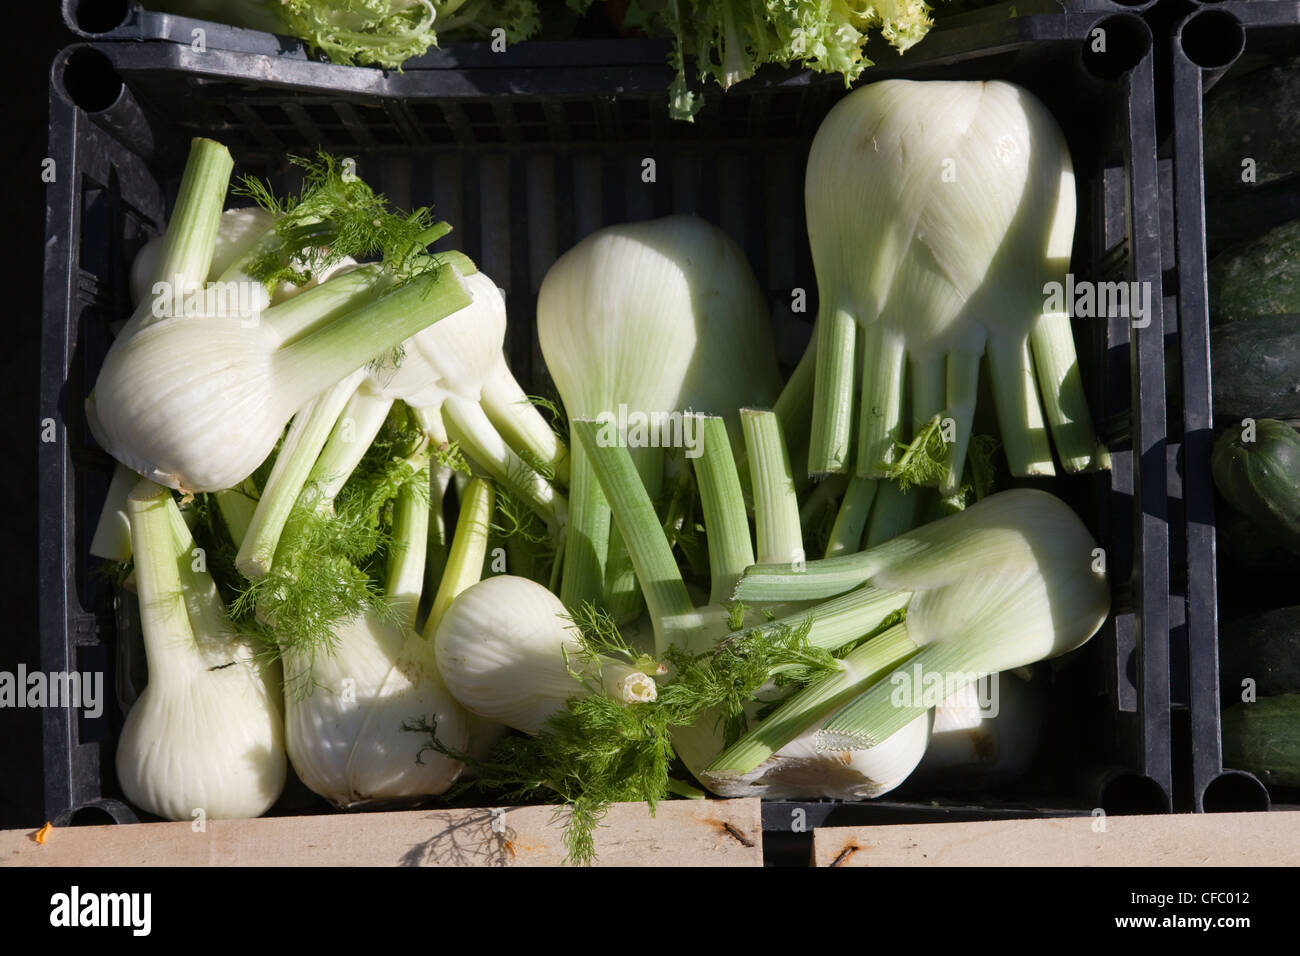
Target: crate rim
(1143, 232)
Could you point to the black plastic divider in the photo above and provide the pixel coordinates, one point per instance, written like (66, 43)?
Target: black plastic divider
(489, 147)
(1148, 422)
(1202, 48)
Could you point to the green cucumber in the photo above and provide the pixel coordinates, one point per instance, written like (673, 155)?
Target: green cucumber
(1264, 738)
(1257, 469)
(1251, 129)
(1253, 570)
(1243, 216)
(1260, 277)
(1257, 368)
(1264, 648)
(1254, 117)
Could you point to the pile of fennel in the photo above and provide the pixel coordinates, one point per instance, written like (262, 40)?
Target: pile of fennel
(1007, 582)
(612, 619)
(315, 329)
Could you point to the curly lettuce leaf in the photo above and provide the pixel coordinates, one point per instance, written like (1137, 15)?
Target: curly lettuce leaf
(731, 39)
(476, 19)
(368, 32)
(381, 32)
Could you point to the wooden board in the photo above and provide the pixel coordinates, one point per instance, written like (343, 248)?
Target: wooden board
(682, 833)
(1203, 839)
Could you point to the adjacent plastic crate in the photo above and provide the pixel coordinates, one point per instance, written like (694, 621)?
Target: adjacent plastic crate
(1203, 47)
(526, 161)
(129, 20)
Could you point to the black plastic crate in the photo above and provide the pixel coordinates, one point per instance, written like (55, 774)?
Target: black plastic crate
(1210, 42)
(524, 162)
(129, 20)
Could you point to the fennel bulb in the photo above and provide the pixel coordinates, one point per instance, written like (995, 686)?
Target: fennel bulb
(197, 401)
(455, 371)
(653, 318)
(354, 736)
(444, 372)
(237, 233)
(206, 733)
(354, 713)
(508, 651)
(1009, 581)
(198, 404)
(937, 212)
(804, 769)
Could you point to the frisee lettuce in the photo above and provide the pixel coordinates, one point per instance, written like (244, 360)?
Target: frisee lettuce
(730, 39)
(382, 33)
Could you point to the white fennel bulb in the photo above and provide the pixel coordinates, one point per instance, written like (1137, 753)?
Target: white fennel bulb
(649, 318)
(470, 390)
(508, 651)
(194, 394)
(798, 767)
(660, 315)
(358, 715)
(237, 233)
(1010, 581)
(456, 356)
(206, 734)
(197, 403)
(445, 374)
(466, 353)
(805, 770)
(937, 213)
(347, 736)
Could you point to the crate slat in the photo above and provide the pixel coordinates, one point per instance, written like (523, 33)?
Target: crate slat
(1237, 839)
(681, 833)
